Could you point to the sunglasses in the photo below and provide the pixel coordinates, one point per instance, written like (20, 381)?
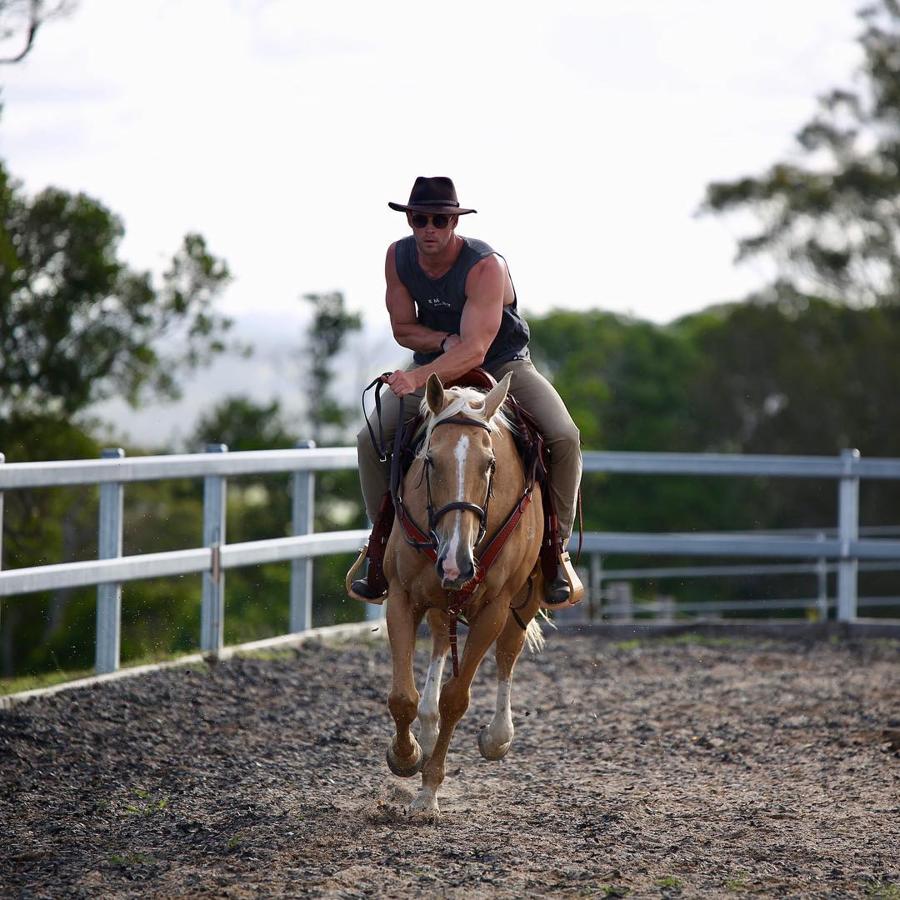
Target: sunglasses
(439, 221)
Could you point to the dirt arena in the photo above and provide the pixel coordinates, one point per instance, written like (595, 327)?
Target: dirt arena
(663, 767)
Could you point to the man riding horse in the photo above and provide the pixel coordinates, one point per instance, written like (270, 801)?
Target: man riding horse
(451, 300)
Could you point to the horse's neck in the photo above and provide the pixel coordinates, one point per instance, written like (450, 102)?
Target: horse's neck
(510, 479)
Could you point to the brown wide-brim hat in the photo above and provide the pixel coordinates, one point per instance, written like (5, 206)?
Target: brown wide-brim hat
(432, 195)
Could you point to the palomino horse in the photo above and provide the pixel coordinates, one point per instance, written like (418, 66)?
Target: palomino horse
(451, 486)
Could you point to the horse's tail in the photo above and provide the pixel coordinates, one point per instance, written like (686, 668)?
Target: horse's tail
(534, 635)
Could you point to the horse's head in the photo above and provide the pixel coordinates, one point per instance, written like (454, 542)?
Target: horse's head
(459, 469)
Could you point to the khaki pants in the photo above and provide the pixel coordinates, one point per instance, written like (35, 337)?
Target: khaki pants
(536, 396)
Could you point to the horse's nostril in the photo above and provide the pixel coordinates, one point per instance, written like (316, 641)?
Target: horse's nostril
(447, 570)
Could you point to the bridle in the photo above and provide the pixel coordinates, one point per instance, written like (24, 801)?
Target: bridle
(435, 515)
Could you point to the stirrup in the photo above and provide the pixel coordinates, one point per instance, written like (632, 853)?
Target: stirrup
(576, 588)
(349, 580)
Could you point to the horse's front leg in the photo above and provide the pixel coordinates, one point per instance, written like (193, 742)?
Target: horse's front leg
(404, 756)
(429, 712)
(454, 701)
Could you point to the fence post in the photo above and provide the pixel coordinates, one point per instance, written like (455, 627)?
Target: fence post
(212, 611)
(595, 607)
(822, 580)
(665, 607)
(303, 519)
(621, 603)
(848, 530)
(109, 596)
(2, 460)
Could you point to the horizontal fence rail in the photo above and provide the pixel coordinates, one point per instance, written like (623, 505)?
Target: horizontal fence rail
(185, 465)
(758, 465)
(844, 550)
(177, 562)
(736, 545)
(261, 462)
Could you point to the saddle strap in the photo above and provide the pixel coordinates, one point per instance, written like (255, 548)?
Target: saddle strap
(580, 527)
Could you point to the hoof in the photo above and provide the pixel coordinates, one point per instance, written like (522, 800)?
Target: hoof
(406, 770)
(491, 753)
(424, 806)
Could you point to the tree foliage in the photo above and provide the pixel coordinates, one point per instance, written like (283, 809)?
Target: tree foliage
(792, 376)
(327, 334)
(77, 325)
(243, 424)
(20, 21)
(830, 219)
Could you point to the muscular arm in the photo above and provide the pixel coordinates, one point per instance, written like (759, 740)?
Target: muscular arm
(402, 310)
(480, 322)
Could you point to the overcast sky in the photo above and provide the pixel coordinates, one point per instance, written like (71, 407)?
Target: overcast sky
(583, 132)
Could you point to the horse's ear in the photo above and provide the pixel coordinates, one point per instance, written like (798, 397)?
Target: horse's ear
(434, 393)
(493, 400)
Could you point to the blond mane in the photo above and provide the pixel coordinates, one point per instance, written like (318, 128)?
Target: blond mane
(467, 401)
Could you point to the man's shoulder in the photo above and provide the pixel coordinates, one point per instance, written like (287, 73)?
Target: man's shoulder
(398, 249)
(483, 258)
(479, 247)
(400, 246)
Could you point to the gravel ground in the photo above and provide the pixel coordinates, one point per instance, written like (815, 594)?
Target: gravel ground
(659, 768)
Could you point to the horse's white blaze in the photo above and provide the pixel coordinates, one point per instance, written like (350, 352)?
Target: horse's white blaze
(500, 731)
(460, 452)
(429, 711)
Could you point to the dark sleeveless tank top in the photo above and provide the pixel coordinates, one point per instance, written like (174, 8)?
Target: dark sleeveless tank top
(440, 301)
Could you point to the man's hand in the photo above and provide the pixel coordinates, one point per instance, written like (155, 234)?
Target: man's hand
(402, 383)
(451, 341)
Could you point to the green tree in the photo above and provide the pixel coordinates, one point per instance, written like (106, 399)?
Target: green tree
(831, 221)
(803, 377)
(43, 526)
(788, 375)
(338, 500)
(77, 325)
(243, 424)
(326, 335)
(626, 383)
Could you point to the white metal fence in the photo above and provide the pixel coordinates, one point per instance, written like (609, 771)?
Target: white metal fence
(841, 550)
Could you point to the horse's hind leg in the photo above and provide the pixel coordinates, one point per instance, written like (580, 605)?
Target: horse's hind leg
(495, 739)
(429, 712)
(404, 756)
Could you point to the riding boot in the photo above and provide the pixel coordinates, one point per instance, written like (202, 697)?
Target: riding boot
(367, 588)
(558, 592)
(372, 586)
(563, 586)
